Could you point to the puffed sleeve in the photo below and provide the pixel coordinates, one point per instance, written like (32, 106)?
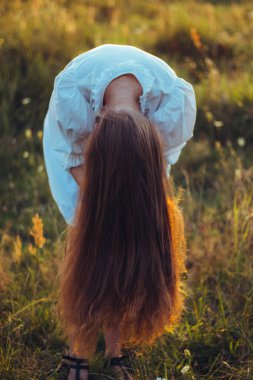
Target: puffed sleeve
(74, 119)
(175, 118)
(68, 123)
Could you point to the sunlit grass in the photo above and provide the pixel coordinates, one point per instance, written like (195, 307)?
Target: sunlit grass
(214, 339)
(211, 46)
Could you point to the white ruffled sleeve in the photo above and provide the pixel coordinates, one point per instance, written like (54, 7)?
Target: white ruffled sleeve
(74, 119)
(67, 125)
(175, 119)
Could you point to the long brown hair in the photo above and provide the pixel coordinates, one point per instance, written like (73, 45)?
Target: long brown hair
(125, 252)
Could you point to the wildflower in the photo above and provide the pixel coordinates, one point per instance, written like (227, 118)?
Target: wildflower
(218, 146)
(238, 174)
(31, 249)
(40, 168)
(195, 36)
(218, 123)
(209, 115)
(17, 249)
(187, 353)
(25, 101)
(185, 369)
(28, 134)
(39, 134)
(37, 231)
(241, 141)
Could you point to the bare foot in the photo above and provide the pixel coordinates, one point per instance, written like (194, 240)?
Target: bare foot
(84, 374)
(121, 372)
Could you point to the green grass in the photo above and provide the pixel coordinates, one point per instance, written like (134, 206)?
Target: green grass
(214, 179)
(216, 328)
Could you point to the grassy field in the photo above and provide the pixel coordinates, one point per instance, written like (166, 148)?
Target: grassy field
(209, 44)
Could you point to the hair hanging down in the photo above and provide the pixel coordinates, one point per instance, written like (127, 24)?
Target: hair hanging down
(125, 254)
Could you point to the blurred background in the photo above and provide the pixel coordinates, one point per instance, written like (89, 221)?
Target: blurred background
(210, 44)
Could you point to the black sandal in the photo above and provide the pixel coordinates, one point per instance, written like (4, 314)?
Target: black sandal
(117, 361)
(77, 366)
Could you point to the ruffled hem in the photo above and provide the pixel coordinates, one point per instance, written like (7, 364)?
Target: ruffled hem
(72, 160)
(127, 67)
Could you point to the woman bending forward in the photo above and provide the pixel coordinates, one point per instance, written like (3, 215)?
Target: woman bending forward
(117, 120)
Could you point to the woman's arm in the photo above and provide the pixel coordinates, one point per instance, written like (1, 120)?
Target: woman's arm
(77, 173)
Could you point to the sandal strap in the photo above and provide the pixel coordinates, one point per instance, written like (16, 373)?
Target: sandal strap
(117, 360)
(78, 366)
(74, 359)
(75, 366)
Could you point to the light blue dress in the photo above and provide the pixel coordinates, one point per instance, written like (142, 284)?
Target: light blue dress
(167, 100)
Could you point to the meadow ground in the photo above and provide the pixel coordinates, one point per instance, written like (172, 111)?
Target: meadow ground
(209, 44)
